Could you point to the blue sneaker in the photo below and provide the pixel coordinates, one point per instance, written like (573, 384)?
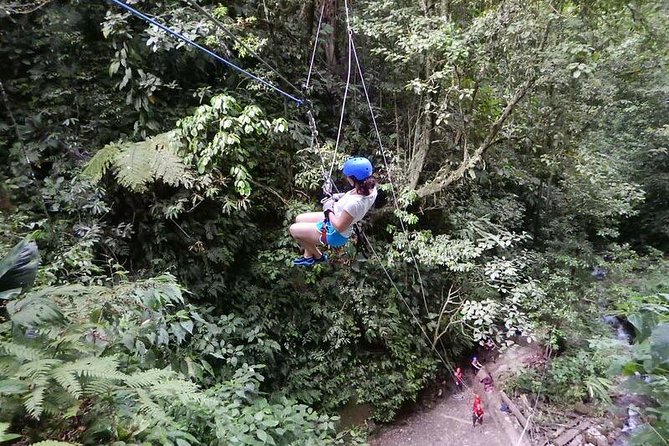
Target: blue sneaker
(310, 261)
(304, 261)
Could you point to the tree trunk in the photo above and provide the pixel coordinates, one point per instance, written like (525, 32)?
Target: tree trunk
(330, 16)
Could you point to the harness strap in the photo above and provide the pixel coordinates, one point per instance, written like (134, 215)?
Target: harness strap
(360, 247)
(324, 229)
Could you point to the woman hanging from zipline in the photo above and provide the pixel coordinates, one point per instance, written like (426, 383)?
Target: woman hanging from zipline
(332, 227)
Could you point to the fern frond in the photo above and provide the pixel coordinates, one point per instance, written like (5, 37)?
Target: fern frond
(148, 378)
(36, 369)
(140, 163)
(68, 380)
(105, 367)
(200, 399)
(150, 408)
(12, 387)
(34, 402)
(53, 443)
(169, 166)
(98, 387)
(173, 387)
(21, 352)
(57, 402)
(133, 167)
(8, 366)
(98, 165)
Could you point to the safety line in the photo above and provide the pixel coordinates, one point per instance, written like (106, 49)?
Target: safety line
(343, 105)
(448, 365)
(327, 182)
(536, 400)
(385, 161)
(313, 52)
(396, 203)
(230, 34)
(206, 50)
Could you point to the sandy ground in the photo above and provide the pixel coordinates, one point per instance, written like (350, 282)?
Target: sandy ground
(449, 422)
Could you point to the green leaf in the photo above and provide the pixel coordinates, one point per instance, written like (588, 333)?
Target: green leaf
(4, 436)
(19, 268)
(659, 344)
(643, 323)
(32, 311)
(10, 294)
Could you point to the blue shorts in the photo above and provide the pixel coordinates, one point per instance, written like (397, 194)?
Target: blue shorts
(334, 238)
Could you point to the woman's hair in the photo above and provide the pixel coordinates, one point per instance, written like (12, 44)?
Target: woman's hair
(365, 186)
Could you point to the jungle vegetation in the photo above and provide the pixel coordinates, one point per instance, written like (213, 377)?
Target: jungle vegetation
(522, 144)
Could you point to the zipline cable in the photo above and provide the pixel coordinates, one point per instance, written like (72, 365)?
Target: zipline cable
(536, 400)
(448, 365)
(327, 181)
(313, 52)
(179, 36)
(230, 34)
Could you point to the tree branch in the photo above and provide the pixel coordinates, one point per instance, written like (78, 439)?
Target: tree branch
(445, 176)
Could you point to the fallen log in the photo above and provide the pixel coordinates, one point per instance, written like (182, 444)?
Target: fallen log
(514, 409)
(562, 428)
(568, 436)
(526, 404)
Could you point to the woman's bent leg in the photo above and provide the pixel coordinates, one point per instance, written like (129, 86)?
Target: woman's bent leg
(310, 217)
(308, 237)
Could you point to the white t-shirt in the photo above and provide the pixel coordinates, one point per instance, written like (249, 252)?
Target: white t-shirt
(356, 205)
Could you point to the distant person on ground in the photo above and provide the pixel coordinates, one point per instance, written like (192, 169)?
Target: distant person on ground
(457, 376)
(477, 411)
(476, 365)
(487, 383)
(333, 227)
(491, 350)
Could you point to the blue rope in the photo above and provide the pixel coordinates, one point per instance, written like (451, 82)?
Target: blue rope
(206, 50)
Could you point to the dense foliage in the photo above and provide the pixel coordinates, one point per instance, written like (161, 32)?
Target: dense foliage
(523, 144)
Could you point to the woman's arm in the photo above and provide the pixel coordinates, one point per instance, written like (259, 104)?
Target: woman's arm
(342, 221)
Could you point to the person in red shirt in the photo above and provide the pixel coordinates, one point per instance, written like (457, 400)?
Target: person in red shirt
(477, 411)
(458, 379)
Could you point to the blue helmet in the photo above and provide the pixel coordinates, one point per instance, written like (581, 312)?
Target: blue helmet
(359, 168)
